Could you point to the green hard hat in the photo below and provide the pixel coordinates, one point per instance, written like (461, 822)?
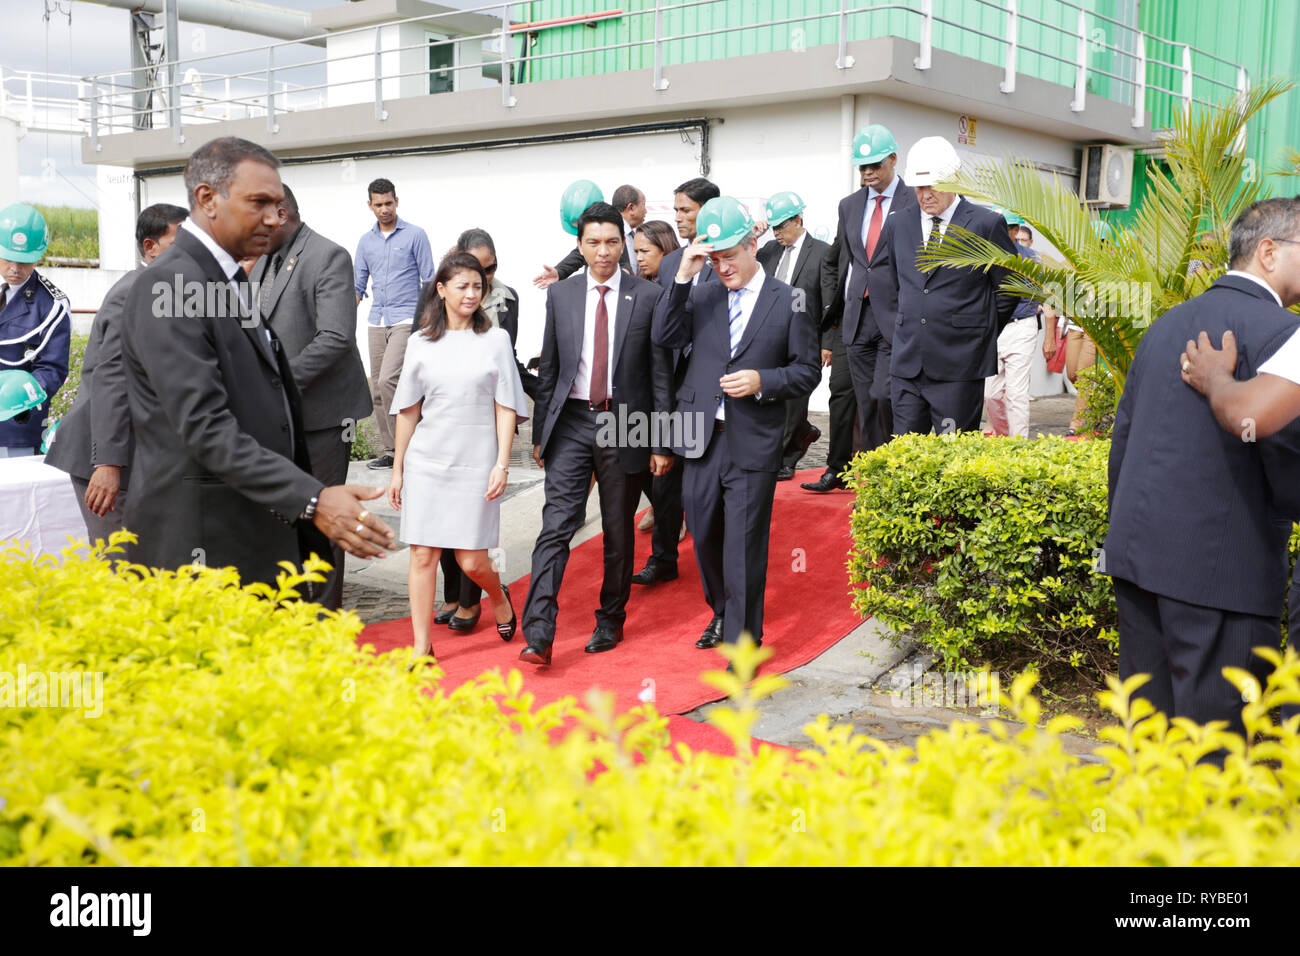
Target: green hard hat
(24, 237)
(872, 144)
(48, 438)
(783, 206)
(1011, 218)
(575, 201)
(723, 222)
(19, 392)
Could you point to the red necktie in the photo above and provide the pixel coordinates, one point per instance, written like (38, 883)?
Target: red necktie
(600, 360)
(873, 233)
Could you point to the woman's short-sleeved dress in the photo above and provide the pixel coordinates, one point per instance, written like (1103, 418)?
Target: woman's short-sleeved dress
(448, 463)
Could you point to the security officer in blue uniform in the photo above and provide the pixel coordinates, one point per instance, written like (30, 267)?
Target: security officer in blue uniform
(35, 322)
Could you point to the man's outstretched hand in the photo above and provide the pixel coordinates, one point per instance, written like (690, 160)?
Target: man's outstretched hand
(342, 517)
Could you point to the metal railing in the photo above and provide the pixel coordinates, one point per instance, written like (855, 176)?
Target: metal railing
(1066, 52)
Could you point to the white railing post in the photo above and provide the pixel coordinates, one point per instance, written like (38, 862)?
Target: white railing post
(1081, 67)
(1243, 87)
(1187, 80)
(380, 112)
(172, 48)
(660, 83)
(507, 52)
(94, 114)
(922, 62)
(271, 125)
(1008, 84)
(844, 61)
(1140, 84)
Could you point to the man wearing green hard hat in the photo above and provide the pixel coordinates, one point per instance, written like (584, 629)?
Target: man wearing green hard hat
(576, 199)
(859, 300)
(795, 258)
(35, 324)
(751, 351)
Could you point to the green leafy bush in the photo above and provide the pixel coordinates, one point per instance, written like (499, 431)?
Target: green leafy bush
(66, 395)
(1097, 386)
(366, 445)
(983, 549)
(232, 726)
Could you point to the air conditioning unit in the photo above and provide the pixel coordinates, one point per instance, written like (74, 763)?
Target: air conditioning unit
(1106, 175)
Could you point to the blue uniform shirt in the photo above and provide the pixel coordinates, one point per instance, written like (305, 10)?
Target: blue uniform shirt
(35, 334)
(1025, 307)
(397, 265)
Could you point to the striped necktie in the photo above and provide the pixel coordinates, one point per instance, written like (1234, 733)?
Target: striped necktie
(735, 314)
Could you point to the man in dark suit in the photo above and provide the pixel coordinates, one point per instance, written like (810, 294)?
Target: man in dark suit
(859, 294)
(1249, 510)
(94, 442)
(795, 258)
(628, 200)
(665, 491)
(1200, 516)
(600, 376)
(750, 352)
(303, 291)
(945, 340)
(220, 473)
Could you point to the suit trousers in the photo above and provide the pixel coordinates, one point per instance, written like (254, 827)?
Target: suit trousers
(1184, 647)
(330, 454)
(387, 350)
(97, 527)
(1006, 393)
(665, 494)
(923, 403)
(796, 430)
(572, 456)
(844, 439)
(869, 357)
(729, 512)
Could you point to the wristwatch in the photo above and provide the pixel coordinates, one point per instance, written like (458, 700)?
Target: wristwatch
(310, 511)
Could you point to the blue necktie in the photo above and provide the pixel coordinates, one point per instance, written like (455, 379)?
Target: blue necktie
(734, 313)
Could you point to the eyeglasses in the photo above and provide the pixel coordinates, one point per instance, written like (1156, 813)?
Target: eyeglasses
(1294, 242)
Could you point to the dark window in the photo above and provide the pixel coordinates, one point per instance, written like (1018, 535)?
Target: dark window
(441, 79)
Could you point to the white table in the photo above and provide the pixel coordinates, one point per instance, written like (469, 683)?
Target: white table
(38, 505)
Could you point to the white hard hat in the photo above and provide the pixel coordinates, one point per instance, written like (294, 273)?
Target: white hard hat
(931, 160)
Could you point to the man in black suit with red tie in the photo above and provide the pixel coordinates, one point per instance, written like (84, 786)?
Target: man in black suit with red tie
(750, 352)
(599, 374)
(858, 294)
(946, 332)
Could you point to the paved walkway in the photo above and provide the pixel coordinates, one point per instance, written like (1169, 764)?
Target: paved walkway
(864, 679)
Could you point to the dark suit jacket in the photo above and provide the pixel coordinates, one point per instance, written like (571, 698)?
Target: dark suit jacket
(97, 429)
(313, 312)
(948, 319)
(1196, 513)
(215, 477)
(574, 262)
(777, 344)
(806, 277)
(640, 378)
(848, 251)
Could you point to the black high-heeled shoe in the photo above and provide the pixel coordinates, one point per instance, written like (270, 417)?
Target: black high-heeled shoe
(507, 631)
(466, 623)
(444, 616)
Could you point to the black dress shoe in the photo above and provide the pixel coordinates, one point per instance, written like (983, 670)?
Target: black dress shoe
(443, 616)
(829, 481)
(466, 623)
(383, 461)
(785, 473)
(803, 441)
(712, 635)
(653, 574)
(604, 639)
(536, 653)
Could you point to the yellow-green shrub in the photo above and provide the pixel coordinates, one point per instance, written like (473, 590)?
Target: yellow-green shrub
(985, 549)
(295, 746)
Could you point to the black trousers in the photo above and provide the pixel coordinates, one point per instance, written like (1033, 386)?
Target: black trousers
(457, 586)
(729, 512)
(924, 403)
(796, 430)
(572, 456)
(844, 440)
(868, 360)
(665, 494)
(330, 454)
(1184, 647)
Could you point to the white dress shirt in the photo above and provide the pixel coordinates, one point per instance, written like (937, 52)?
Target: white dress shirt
(582, 380)
(794, 257)
(748, 299)
(945, 217)
(229, 266)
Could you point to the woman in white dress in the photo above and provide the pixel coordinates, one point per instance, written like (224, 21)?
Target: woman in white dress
(457, 402)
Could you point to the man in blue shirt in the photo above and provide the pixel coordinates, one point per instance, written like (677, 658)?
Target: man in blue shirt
(394, 254)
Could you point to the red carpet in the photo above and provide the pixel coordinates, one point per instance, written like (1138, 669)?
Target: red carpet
(808, 610)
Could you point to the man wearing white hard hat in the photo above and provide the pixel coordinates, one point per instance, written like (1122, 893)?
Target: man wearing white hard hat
(946, 332)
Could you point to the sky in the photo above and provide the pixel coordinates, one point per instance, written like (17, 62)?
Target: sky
(83, 38)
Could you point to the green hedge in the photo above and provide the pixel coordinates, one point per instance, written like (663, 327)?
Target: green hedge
(983, 549)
